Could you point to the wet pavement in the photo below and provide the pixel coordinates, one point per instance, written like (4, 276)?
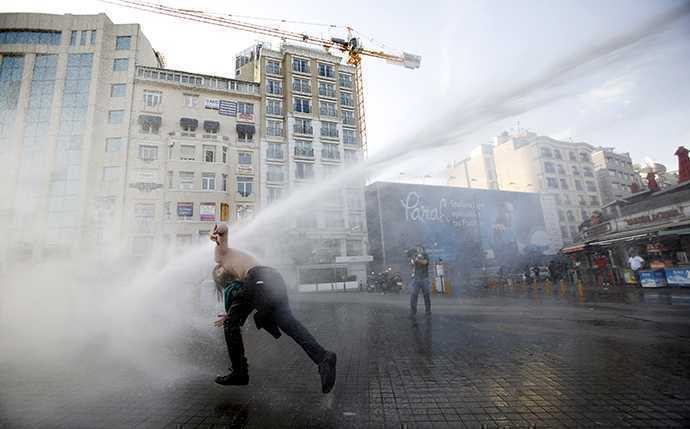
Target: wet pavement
(495, 358)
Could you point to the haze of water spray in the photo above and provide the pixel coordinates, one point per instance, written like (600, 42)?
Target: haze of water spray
(75, 315)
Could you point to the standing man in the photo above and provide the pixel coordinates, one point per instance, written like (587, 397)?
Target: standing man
(440, 277)
(636, 262)
(420, 263)
(256, 287)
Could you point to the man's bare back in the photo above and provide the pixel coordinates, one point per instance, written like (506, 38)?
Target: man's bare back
(235, 262)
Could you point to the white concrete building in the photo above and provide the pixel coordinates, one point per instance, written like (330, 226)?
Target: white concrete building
(476, 171)
(614, 173)
(65, 90)
(309, 133)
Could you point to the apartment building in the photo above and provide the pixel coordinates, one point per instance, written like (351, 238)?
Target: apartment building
(476, 171)
(309, 132)
(192, 157)
(59, 123)
(614, 173)
(560, 171)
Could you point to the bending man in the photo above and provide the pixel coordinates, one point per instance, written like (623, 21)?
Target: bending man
(263, 289)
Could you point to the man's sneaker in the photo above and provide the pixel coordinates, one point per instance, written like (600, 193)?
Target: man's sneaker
(327, 372)
(235, 378)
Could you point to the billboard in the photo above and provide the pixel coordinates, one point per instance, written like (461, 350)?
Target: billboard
(466, 228)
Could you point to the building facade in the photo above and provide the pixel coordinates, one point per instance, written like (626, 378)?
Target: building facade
(614, 173)
(476, 171)
(58, 78)
(309, 132)
(562, 172)
(192, 158)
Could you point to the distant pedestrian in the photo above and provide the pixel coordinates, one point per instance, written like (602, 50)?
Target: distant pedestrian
(420, 281)
(440, 276)
(636, 262)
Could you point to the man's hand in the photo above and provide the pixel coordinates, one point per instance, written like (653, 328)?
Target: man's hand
(218, 232)
(221, 320)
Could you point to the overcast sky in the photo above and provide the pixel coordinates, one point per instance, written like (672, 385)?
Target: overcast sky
(469, 49)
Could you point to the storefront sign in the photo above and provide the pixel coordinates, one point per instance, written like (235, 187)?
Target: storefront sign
(207, 212)
(227, 108)
(654, 278)
(185, 209)
(654, 217)
(678, 276)
(212, 103)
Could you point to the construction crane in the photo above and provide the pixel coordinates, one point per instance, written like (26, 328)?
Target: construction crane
(350, 45)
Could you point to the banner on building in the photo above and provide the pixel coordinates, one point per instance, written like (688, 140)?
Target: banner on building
(227, 108)
(207, 212)
(185, 209)
(212, 103)
(245, 117)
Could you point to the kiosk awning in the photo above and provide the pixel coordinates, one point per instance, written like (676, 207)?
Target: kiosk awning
(189, 123)
(211, 125)
(246, 128)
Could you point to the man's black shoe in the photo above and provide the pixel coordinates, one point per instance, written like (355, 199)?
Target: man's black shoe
(235, 378)
(327, 372)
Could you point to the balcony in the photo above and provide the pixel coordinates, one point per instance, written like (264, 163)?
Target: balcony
(275, 155)
(303, 129)
(302, 152)
(330, 155)
(329, 133)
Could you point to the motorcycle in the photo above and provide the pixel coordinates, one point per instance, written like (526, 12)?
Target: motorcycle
(385, 281)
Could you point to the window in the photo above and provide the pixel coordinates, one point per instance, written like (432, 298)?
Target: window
(355, 222)
(551, 182)
(326, 70)
(275, 173)
(581, 200)
(191, 100)
(244, 158)
(300, 65)
(243, 211)
(301, 85)
(224, 155)
(274, 194)
(93, 37)
(578, 185)
(561, 215)
(120, 64)
(35, 37)
(548, 167)
(110, 174)
(113, 144)
(245, 108)
(326, 89)
(327, 108)
(345, 80)
(557, 154)
(561, 170)
(348, 117)
(330, 151)
(591, 187)
(275, 151)
(303, 126)
(187, 152)
(587, 171)
(302, 105)
(84, 35)
(353, 199)
(576, 171)
(594, 201)
(564, 184)
(273, 67)
(149, 126)
(170, 179)
(116, 117)
(351, 156)
(224, 182)
(304, 170)
(584, 156)
(209, 153)
(244, 185)
(546, 152)
(329, 129)
(123, 43)
(152, 98)
(73, 39)
(274, 128)
(330, 170)
(570, 216)
(346, 99)
(564, 232)
(148, 153)
(274, 87)
(349, 136)
(208, 181)
(571, 156)
(118, 90)
(274, 107)
(303, 148)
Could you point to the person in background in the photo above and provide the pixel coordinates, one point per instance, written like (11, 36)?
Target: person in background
(636, 262)
(441, 276)
(420, 281)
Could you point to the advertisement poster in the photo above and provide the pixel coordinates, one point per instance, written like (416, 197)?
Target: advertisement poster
(654, 278)
(207, 212)
(227, 108)
(185, 209)
(678, 276)
(212, 103)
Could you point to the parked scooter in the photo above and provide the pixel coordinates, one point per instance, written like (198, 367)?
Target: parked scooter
(385, 281)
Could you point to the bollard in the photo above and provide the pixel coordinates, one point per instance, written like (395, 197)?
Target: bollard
(561, 288)
(547, 287)
(580, 291)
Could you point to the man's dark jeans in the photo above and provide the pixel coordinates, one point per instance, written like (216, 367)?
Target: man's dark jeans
(265, 291)
(418, 284)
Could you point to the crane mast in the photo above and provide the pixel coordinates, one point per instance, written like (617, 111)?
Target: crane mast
(351, 46)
